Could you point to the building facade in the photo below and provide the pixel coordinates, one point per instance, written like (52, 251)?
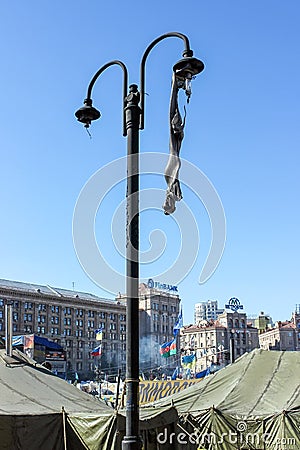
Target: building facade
(263, 322)
(71, 318)
(206, 311)
(211, 342)
(284, 335)
(159, 309)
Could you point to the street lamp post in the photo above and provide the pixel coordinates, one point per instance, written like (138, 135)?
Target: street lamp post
(133, 121)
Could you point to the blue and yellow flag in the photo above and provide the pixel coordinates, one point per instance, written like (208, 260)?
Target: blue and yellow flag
(99, 334)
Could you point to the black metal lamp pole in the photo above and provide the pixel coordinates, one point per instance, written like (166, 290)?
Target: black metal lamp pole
(133, 121)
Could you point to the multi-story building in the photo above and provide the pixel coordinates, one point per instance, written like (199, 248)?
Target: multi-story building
(159, 309)
(211, 341)
(206, 311)
(70, 318)
(263, 322)
(284, 336)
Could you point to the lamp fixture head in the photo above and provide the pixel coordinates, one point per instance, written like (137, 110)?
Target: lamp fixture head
(188, 67)
(185, 70)
(87, 113)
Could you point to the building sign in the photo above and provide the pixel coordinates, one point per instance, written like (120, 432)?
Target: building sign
(163, 286)
(234, 304)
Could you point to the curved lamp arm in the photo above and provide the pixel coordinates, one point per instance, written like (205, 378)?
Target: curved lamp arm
(88, 112)
(187, 53)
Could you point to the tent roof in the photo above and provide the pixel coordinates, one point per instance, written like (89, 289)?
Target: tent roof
(27, 388)
(258, 384)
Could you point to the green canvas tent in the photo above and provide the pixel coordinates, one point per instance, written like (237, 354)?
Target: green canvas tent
(38, 411)
(251, 404)
(36, 406)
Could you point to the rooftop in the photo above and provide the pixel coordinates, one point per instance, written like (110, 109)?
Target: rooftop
(50, 290)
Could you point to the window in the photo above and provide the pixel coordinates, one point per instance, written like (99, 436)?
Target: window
(122, 317)
(79, 322)
(16, 304)
(28, 305)
(55, 309)
(15, 327)
(112, 316)
(1, 302)
(42, 307)
(69, 343)
(122, 327)
(1, 326)
(27, 317)
(1, 314)
(79, 333)
(79, 365)
(55, 320)
(54, 331)
(112, 326)
(79, 355)
(67, 321)
(41, 330)
(102, 315)
(91, 313)
(41, 319)
(67, 332)
(67, 311)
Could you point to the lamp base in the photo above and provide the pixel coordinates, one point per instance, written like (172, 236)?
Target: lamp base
(131, 443)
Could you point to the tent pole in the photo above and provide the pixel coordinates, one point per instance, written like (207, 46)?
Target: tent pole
(64, 427)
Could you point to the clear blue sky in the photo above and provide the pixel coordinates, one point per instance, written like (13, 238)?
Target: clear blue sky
(242, 131)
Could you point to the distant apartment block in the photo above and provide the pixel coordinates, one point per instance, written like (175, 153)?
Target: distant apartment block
(263, 322)
(206, 311)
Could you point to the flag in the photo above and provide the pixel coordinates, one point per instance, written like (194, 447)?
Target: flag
(168, 349)
(178, 324)
(175, 374)
(203, 374)
(97, 351)
(165, 349)
(187, 360)
(173, 347)
(99, 334)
